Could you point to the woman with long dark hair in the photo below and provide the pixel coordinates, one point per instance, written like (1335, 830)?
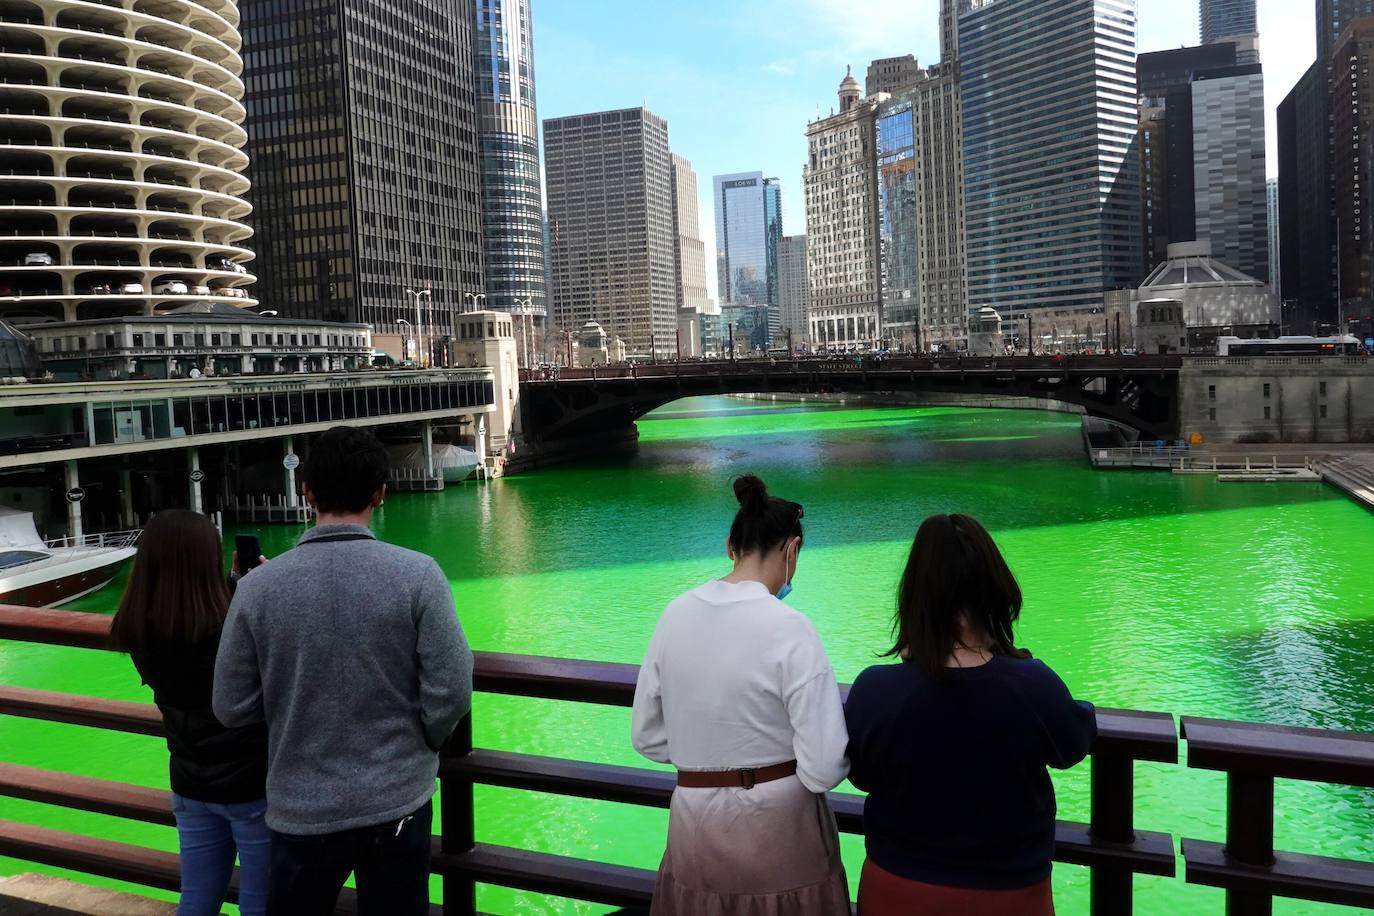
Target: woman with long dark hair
(169, 622)
(953, 743)
(736, 693)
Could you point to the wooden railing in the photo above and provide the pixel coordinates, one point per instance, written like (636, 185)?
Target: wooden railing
(1113, 849)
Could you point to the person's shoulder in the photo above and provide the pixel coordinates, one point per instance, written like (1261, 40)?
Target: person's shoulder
(883, 677)
(1031, 673)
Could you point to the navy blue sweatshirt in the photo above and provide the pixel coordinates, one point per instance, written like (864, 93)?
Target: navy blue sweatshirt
(955, 769)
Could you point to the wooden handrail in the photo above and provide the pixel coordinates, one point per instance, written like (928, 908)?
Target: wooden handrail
(1252, 755)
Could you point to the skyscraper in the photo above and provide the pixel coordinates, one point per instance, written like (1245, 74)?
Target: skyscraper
(1049, 125)
(792, 290)
(1271, 189)
(610, 190)
(898, 221)
(1231, 205)
(748, 228)
(1353, 128)
(1333, 16)
(364, 158)
(690, 252)
(512, 201)
(844, 288)
(941, 254)
(1307, 231)
(1234, 21)
(892, 74)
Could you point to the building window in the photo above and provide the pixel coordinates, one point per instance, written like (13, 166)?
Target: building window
(215, 340)
(1321, 388)
(1323, 411)
(138, 342)
(1211, 392)
(159, 340)
(1212, 413)
(1267, 413)
(1266, 389)
(235, 340)
(178, 340)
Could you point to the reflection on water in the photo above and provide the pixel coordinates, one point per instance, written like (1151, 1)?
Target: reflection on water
(1143, 589)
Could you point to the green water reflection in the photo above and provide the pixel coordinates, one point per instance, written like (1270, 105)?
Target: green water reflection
(1143, 590)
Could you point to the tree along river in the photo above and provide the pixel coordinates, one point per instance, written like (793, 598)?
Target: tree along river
(1143, 590)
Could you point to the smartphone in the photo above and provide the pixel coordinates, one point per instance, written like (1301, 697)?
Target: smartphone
(249, 550)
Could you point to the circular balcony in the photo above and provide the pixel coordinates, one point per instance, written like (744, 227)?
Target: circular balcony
(121, 157)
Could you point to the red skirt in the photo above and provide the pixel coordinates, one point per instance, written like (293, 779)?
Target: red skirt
(884, 894)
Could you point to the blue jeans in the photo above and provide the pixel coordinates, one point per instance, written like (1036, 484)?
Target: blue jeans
(210, 835)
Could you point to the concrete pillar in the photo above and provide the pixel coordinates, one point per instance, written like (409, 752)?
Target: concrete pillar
(196, 502)
(73, 508)
(480, 437)
(427, 439)
(288, 453)
(126, 499)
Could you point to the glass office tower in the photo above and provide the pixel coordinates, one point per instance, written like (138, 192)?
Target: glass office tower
(1231, 20)
(512, 204)
(898, 238)
(748, 229)
(363, 154)
(1049, 115)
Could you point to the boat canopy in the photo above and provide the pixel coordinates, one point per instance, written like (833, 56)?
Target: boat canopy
(17, 529)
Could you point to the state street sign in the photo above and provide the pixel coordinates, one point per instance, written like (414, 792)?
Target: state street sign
(291, 461)
(75, 495)
(197, 475)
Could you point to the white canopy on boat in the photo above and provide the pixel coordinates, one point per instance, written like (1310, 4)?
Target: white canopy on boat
(17, 529)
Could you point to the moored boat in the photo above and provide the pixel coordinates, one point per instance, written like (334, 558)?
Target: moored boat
(38, 573)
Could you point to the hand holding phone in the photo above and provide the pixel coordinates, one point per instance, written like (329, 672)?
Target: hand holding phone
(247, 553)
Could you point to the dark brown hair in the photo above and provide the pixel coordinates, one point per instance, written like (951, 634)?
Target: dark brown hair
(345, 469)
(954, 571)
(763, 522)
(176, 594)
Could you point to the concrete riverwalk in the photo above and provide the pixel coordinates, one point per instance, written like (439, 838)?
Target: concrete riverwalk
(43, 895)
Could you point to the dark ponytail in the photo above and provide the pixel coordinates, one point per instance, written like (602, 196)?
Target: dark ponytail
(763, 522)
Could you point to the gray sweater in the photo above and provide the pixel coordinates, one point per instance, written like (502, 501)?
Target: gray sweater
(351, 651)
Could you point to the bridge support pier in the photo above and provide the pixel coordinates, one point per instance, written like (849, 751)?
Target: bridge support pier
(73, 480)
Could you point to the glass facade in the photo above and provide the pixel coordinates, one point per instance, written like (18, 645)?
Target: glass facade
(748, 230)
(1050, 118)
(512, 200)
(898, 240)
(364, 157)
(1332, 18)
(1222, 19)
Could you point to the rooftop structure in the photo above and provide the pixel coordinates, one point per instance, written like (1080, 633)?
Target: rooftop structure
(1214, 296)
(121, 153)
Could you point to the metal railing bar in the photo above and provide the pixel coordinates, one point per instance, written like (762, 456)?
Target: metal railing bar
(92, 712)
(1278, 751)
(137, 803)
(545, 873)
(1306, 877)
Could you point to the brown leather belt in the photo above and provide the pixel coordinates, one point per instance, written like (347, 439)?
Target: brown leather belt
(735, 779)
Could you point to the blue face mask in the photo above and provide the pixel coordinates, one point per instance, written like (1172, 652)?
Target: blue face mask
(786, 588)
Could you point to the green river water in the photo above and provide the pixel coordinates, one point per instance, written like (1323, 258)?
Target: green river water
(1143, 590)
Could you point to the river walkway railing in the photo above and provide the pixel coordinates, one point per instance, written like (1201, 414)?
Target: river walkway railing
(1110, 844)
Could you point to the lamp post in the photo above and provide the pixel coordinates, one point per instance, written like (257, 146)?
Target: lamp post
(409, 339)
(419, 344)
(474, 297)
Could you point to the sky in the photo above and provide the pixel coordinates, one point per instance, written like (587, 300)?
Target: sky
(738, 80)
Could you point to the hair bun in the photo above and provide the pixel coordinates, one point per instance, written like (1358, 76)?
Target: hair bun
(751, 493)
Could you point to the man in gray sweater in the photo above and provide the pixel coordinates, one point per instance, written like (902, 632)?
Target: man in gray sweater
(351, 652)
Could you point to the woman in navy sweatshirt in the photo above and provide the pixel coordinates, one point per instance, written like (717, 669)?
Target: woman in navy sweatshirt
(953, 743)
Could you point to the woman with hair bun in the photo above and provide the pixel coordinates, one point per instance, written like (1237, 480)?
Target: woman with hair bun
(736, 692)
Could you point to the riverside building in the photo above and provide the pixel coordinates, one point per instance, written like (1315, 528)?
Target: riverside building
(512, 198)
(1353, 128)
(365, 156)
(748, 229)
(1049, 119)
(121, 159)
(691, 250)
(792, 290)
(1202, 155)
(844, 287)
(610, 193)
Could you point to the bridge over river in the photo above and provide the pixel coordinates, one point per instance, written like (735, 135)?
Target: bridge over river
(1140, 392)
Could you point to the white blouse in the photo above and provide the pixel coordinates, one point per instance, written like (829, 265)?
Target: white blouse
(735, 679)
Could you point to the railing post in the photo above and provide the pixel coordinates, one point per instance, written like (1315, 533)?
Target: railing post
(457, 826)
(1113, 819)
(1250, 836)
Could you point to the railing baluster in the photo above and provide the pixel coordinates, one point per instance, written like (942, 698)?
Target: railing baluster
(1113, 819)
(1250, 837)
(457, 823)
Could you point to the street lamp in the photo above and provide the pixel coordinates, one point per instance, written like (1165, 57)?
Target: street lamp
(269, 313)
(474, 297)
(420, 342)
(409, 340)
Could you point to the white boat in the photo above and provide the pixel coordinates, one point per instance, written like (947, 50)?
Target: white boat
(453, 461)
(38, 573)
